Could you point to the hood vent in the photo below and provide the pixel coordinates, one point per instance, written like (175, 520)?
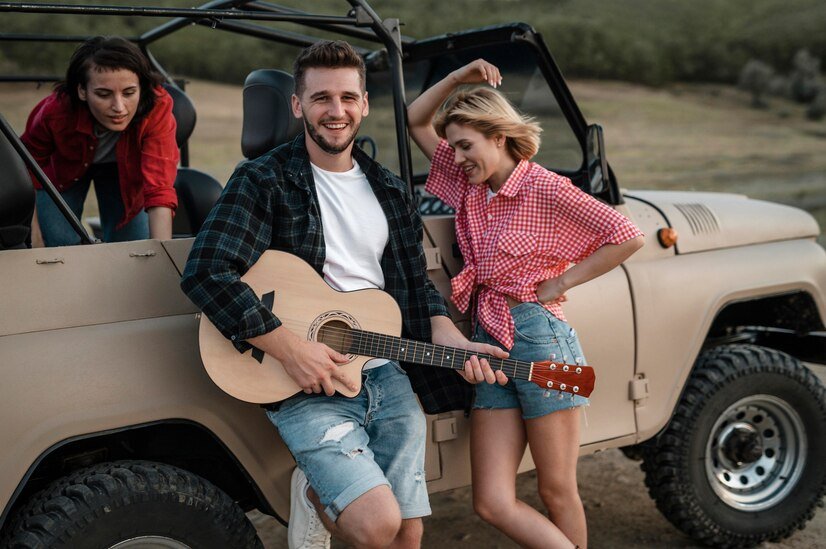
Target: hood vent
(700, 218)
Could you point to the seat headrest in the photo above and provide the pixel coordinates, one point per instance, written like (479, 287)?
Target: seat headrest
(184, 112)
(268, 115)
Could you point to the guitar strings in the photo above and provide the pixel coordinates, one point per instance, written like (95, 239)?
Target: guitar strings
(376, 344)
(373, 341)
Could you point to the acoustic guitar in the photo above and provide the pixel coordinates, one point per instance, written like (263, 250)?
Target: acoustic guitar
(362, 324)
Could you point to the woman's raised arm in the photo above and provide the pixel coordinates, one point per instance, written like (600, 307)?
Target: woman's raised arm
(421, 112)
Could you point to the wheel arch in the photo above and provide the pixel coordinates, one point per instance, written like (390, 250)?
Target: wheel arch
(179, 442)
(790, 322)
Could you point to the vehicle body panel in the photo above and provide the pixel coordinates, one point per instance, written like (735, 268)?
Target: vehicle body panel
(684, 293)
(707, 221)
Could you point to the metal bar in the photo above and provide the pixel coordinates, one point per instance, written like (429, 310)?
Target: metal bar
(338, 29)
(391, 38)
(32, 78)
(189, 13)
(154, 62)
(808, 347)
(10, 37)
(265, 33)
(44, 181)
(184, 149)
(169, 27)
(400, 110)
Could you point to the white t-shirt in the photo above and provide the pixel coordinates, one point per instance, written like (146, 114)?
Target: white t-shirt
(355, 232)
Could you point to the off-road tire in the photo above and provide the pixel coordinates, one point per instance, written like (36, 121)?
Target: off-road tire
(731, 388)
(109, 503)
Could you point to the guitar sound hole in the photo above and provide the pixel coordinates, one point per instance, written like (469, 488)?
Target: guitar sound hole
(337, 335)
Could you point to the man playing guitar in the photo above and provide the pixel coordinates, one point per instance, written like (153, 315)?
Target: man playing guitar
(355, 223)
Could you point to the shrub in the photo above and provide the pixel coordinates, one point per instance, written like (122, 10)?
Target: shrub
(756, 77)
(817, 108)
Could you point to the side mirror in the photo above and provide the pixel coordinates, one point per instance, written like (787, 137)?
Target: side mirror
(598, 177)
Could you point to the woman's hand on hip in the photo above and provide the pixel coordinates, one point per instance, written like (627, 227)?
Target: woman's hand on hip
(552, 291)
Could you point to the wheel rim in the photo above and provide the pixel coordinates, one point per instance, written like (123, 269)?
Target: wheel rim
(150, 542)
(756, 452)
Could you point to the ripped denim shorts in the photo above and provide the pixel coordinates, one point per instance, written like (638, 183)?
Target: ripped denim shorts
(348, 446)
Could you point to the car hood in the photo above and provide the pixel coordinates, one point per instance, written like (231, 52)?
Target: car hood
(707, 221)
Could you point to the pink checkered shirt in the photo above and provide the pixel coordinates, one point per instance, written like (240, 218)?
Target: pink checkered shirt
(531, 230)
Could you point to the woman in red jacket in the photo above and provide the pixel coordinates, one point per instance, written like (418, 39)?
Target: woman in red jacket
(109, 122)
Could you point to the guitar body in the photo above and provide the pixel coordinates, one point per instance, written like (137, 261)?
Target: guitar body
(307, 306)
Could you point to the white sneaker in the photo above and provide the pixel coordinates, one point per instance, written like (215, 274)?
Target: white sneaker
(305, 529)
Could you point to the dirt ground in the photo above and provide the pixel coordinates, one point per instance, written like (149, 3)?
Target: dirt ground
(620, 514)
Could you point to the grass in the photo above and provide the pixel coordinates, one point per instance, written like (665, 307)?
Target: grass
(691, 137)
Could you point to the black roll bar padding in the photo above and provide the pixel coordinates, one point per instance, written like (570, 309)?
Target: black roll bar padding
(44, 181)
(389, 33)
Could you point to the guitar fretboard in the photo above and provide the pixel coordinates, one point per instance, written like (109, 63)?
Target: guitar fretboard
(360, 342)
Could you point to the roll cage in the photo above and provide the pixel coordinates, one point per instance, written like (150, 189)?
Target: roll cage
(397, 67)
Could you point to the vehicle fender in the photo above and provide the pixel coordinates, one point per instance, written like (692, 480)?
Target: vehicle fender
(676, 299)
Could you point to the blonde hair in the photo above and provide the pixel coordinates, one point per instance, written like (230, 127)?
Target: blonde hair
(488, 112)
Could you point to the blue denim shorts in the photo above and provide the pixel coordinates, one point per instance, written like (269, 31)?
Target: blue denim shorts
(348, 446)
(538, 336)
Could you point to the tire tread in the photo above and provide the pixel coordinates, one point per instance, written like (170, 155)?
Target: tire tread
(53, 517)
(665, 455)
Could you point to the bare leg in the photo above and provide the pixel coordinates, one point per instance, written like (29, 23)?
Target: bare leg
(372, 520)
(554, 443)
(498, 440)
(410, 535)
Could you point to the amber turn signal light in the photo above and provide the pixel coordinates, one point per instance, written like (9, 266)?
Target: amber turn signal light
(667, 237)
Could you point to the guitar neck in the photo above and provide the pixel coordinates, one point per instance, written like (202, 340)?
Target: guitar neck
(407, 350)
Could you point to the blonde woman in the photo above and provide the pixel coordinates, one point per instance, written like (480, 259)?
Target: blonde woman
(519, 227)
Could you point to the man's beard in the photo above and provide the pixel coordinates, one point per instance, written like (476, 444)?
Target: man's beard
(325, 145)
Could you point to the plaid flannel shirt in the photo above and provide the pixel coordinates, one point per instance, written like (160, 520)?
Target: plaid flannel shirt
(271, 203)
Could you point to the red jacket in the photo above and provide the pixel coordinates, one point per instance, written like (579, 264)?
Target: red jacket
(62, 141)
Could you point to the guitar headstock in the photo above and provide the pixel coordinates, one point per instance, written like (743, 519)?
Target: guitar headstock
(568, 378)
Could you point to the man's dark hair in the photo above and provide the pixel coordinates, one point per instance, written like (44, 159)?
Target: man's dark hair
(110, 53)
(328, 54)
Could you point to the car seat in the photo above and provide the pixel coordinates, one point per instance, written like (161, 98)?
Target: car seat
(268, 115)
(197, 191)
(16, 193)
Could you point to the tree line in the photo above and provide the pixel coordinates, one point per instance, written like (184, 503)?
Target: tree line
(653, 42)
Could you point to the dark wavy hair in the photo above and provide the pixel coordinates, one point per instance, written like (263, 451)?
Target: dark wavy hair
(110, 53)
(328, 54)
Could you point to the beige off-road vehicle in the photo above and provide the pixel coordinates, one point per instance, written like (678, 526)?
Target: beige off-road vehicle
(113, 435)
